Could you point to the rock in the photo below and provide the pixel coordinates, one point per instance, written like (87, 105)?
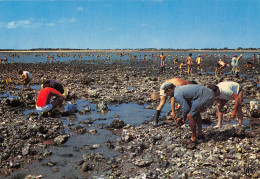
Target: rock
(13, 102)
(55, 169)
(26, 150)
(32, 176)
(102, 107)
(143, 162)
(92, 131)
(79, 130)
(85, 167)
(126, 137)
(61, 139)
(116, 124)
(95, 146)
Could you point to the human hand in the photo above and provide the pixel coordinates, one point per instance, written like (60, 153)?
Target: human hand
(179, 121)
(172, 115)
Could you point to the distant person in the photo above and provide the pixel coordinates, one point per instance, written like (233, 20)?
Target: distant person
(235, 64)
(5, 60)
(249, 65)
(193, 99)
(48, 58)
(226, 91)
(175, 61)
(199, 61)
(189, 63)
(1, 60)
(181, 68)
(44, 104)
(53, 84)
(26, 77)
(258, 58)
(162, 62)
(220, 67)
(163, 96)
(253, 58)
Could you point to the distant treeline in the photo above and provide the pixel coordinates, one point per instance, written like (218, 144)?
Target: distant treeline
(142, 49)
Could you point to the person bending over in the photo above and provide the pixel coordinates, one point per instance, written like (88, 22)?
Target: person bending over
(193, 99)
(163, 96)
(26, 77)
(229, 90)
(53, 84)
(48, 100)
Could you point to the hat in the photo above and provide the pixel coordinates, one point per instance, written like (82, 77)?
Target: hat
(234, 55)
(168, 86)
(199, 55)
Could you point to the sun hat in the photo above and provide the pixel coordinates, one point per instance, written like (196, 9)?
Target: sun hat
(168, 86)
(234, 55)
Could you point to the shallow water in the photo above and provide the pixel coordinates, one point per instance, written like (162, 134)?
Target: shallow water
(67, 157)
(130, 113)
(33, 57)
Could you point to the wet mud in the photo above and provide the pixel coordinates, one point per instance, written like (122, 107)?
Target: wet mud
(111, 135)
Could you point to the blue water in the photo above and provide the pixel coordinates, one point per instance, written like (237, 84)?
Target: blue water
(34, 57)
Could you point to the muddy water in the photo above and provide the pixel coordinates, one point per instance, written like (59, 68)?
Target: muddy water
(67, 157)
(64, 161)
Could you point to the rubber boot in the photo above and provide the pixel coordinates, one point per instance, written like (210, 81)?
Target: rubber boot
(156, 118)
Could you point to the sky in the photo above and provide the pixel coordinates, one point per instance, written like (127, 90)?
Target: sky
(129, 24)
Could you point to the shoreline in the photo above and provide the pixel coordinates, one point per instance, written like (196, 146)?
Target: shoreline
(131, 50)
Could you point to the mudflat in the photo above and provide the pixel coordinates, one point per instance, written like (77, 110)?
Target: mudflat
(141, 151)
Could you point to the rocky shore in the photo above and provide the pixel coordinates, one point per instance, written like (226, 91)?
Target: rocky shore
(144, 151)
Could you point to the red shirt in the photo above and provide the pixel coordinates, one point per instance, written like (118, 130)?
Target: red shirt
(45, 95)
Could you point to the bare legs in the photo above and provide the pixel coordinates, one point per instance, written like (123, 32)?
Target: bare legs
(237, 112)
(195, 122)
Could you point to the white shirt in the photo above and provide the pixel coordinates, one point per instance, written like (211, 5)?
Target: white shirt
(29, 76)
(227, 88)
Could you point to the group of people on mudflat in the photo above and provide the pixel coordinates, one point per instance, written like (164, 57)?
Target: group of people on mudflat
(51, 95)
(220, 65)
(192, 97)
(195, 99)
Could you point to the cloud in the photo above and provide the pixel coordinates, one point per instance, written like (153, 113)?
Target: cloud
(80, 8)
(21, 23)
(67, 20)
(31, 23)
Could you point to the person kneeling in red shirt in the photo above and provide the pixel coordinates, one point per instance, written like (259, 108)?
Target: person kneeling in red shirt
(44, 103)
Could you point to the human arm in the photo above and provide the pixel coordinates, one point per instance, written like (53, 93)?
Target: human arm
(23, 77)
(59, 95)
(234, 112)
(173, 107)
(58, 100)
(184, 106)
(240, 56)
